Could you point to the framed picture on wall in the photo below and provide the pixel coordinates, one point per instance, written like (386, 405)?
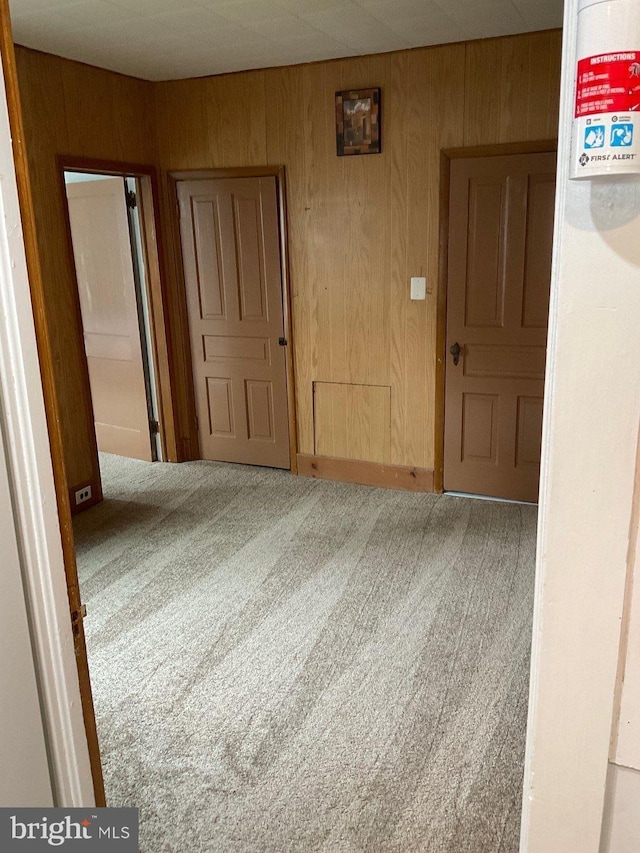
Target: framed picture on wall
(358, 129)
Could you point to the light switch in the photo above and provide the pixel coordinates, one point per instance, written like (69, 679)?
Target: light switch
(418, 288)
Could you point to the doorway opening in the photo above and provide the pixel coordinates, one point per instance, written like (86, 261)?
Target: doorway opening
(498, 215)
(111, 261)
(110, 215)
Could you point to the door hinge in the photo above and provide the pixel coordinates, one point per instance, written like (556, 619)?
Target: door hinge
(80, 613)
(77, 619)
(132, 201)
(282, 342)
(154, 427)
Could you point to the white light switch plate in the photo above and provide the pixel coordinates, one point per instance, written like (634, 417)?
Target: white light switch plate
(418, 288)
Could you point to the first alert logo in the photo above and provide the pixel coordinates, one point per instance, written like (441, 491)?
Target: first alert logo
(604, 158)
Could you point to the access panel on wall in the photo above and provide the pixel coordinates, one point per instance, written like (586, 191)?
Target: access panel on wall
(500, 247)
(233, 278)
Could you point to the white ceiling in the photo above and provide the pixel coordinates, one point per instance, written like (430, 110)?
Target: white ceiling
(170, 39)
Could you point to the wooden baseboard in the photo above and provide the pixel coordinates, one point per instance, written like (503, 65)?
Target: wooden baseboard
(366, 473)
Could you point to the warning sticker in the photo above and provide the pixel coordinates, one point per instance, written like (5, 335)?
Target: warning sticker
(608, 83)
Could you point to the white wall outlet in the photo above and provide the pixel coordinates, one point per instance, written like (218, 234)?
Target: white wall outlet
(83, 495)
(418, 288)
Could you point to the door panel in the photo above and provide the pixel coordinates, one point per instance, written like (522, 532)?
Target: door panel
(233, 279)
(106, 285)
(539, 251)
(500, 244)
(485, 283)
(529, 431)
(479, 427)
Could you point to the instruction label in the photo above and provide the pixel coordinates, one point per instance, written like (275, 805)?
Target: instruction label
(606, 132)
(608, 83)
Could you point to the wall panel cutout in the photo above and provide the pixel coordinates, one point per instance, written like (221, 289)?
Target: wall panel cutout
(352, 421)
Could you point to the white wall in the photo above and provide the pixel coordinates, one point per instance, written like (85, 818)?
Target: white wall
(625, 746)
(24, 766)
(621, 825)
(24, 775)
(83, 177)
(592, 415)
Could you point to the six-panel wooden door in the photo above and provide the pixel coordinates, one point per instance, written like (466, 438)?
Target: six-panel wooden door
(233, 277)
(500, 246)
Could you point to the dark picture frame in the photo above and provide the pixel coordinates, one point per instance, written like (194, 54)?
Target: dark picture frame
(358, 122)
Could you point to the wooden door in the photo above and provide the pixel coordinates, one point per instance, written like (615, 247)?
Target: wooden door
(500, 245)
(110, 319)
(233, 279)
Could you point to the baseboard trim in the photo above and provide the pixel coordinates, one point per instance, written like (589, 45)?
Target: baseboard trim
(366, 473)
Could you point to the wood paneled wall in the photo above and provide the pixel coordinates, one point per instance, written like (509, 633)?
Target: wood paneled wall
(74, 109)
(360, 227)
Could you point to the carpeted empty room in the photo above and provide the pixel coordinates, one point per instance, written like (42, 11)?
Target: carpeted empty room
(286, 664)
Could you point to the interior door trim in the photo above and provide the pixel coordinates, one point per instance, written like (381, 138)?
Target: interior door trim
(159, 308)
(446, 156)
(278, 172)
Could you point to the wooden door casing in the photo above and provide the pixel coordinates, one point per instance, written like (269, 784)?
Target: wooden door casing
(500, 247)
(233, 279)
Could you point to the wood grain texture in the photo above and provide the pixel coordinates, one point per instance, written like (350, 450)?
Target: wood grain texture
(405, 477)
(79, 111)
(359, 227)
(352, 421)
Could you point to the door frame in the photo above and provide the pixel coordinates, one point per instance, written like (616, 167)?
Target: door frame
(544, 146)
(149, 186)
(277, 172)
(159, 310)
(42, 509)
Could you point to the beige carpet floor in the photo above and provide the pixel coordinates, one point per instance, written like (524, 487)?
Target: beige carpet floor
(283, 664)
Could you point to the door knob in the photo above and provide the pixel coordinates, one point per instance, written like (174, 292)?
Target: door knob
(455, 352)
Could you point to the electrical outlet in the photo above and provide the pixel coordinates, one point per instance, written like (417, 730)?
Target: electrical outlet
(83, 495)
